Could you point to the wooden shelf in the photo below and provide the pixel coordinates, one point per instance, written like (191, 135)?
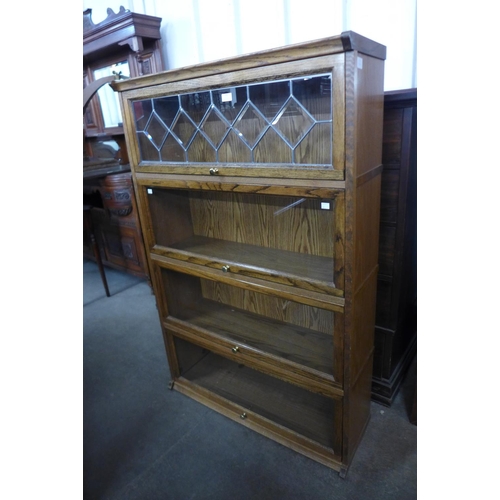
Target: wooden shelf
(291, 342)
(300, 270)
(301, 411)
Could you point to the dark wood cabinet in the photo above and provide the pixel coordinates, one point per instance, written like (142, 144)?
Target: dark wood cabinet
(258, 186)
(125, 44)
(396, 320)
(116, 223)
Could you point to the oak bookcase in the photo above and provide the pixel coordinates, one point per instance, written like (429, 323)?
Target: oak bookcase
(258, 184)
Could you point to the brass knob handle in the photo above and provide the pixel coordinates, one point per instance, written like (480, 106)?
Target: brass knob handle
(225, 269)
(214, 171)
(235, 349)
(243, 416)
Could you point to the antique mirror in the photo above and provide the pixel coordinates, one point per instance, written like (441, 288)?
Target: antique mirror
(125, 44)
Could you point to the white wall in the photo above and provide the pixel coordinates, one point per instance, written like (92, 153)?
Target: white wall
(195, 31)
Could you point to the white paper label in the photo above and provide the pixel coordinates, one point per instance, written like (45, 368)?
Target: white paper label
(325, 205)
(150, 191)
(226, 97)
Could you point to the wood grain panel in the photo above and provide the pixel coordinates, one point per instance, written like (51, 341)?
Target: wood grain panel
(262, 220)
(362, 340)
(246, 170)
(318, 146)
(389, 195)
(233, 150)
(200, 150)
(370, 112)
(272, 149)
(367, 229)
(393, 125)
(312, 188)
(358, 417)
(276, 308)
(235, 77)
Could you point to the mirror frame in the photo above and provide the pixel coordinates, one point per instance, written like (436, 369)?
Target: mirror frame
(122, 36)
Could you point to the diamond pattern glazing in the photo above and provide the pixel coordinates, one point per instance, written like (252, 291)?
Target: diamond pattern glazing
(279, 122)
(250, 125)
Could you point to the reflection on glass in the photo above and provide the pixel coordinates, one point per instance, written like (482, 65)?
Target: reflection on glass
(279, 122)
(110, 105)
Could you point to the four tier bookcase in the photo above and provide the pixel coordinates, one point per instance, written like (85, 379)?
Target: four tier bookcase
(258, 185)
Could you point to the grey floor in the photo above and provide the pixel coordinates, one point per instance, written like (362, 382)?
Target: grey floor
(143, 441)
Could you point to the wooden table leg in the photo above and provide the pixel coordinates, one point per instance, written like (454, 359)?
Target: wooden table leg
(87, 224)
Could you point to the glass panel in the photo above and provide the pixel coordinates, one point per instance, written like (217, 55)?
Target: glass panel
(230, 101)
(172, 150)
(215, 127)
(110, 104)
(304, 412)
(250, 125)
(315, 94)
(270, 123)
(293, 122)
(196, 105)
(166, 108)
(321, 153)
(146, 147)
(273, 149)
(234, 150)
(201, 150)
(184, 129)
(156, 131)
(296, 332)
(270, 97)
(142, 111)
(244, 232)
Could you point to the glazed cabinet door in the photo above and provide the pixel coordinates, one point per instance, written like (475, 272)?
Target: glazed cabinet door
(292, 243)
(286, 338)
(245, 123)
(283, 411)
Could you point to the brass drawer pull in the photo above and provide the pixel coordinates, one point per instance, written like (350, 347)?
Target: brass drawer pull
(235, 349)
(214, 171)
(243, 416)
(225, 269)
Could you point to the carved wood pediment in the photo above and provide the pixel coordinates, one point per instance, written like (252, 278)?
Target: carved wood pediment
(118, 29)
(89, 25)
